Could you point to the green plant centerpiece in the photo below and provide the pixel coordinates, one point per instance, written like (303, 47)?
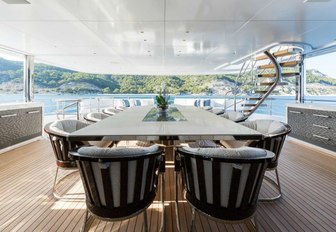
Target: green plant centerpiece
(162, 101)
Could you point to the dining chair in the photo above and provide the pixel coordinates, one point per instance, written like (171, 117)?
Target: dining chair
(93, 117)
(275, 134)
(223, 184)
(58, 132)
(119, 183)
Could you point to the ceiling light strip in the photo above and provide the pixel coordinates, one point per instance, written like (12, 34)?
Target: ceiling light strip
(164, 31)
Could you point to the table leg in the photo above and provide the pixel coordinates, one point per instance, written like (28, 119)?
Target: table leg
(176, 202)
(162, 189)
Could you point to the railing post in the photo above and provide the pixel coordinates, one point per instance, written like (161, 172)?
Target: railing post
(300, 83)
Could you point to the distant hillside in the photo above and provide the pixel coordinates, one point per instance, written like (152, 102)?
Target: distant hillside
(7, 65)
(53, 79)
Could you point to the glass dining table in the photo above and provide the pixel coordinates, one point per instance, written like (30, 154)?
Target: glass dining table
(178, 123)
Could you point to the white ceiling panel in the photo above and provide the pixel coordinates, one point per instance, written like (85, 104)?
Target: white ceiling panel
(159, 36)
(213, 9)
(37, 10)
(283, 31)
(128, 37)
(297, 10)
(114, 10)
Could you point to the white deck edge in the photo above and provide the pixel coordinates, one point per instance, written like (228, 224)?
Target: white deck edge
(312, 146)
(21, 144)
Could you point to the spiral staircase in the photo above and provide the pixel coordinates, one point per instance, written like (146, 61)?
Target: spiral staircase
(268, 71)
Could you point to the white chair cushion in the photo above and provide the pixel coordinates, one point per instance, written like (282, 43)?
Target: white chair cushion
(67, 126)
(95, 116)
(111, 110)
(233, 116)
(266, 126)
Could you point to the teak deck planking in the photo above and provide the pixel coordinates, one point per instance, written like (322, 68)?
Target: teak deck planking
(307, 178)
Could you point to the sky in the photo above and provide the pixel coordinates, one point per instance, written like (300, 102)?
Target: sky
(326, 64)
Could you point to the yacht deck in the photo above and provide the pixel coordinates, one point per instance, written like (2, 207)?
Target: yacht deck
(307, 177)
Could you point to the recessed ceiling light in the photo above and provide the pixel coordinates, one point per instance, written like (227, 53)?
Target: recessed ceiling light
(311, 1)
(142, 32)
(16, 1)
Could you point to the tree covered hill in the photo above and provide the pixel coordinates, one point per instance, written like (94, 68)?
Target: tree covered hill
(54, 79)
(50, 78)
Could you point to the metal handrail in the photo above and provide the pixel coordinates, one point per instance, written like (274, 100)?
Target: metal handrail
(74, 102)
(277, 78)
(234, 104)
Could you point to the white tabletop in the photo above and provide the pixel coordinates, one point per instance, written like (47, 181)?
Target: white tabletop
(200, 124)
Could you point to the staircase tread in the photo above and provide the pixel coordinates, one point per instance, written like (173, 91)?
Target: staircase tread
(285, 52)
(271, 75)
(283, 64)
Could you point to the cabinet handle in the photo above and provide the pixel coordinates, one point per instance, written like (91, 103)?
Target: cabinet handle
(321, 115)
(33, 112)
(320, 137)
(8, 115)
(324, 127)
(295, 112)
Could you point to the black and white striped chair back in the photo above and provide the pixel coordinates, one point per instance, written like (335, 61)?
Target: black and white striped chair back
(275, 136)
(58, 132)
(224, 183)
(118, 182)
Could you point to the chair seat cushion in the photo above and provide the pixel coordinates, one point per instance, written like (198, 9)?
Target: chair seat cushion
(242, 152)
(202, 143)
(116, 152)
(234, 143)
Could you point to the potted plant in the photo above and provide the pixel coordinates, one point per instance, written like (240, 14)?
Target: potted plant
(162, 102)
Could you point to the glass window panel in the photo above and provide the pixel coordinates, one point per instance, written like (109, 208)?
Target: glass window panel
(321, 79)
(11, 77)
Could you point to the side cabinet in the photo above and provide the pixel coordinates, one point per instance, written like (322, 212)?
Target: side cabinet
(19, 125)
(313, 126)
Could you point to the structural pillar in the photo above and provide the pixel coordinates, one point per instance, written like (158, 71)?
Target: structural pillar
(28, 78)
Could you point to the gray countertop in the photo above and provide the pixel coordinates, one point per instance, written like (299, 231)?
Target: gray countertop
(313, 106)
(23, 105)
